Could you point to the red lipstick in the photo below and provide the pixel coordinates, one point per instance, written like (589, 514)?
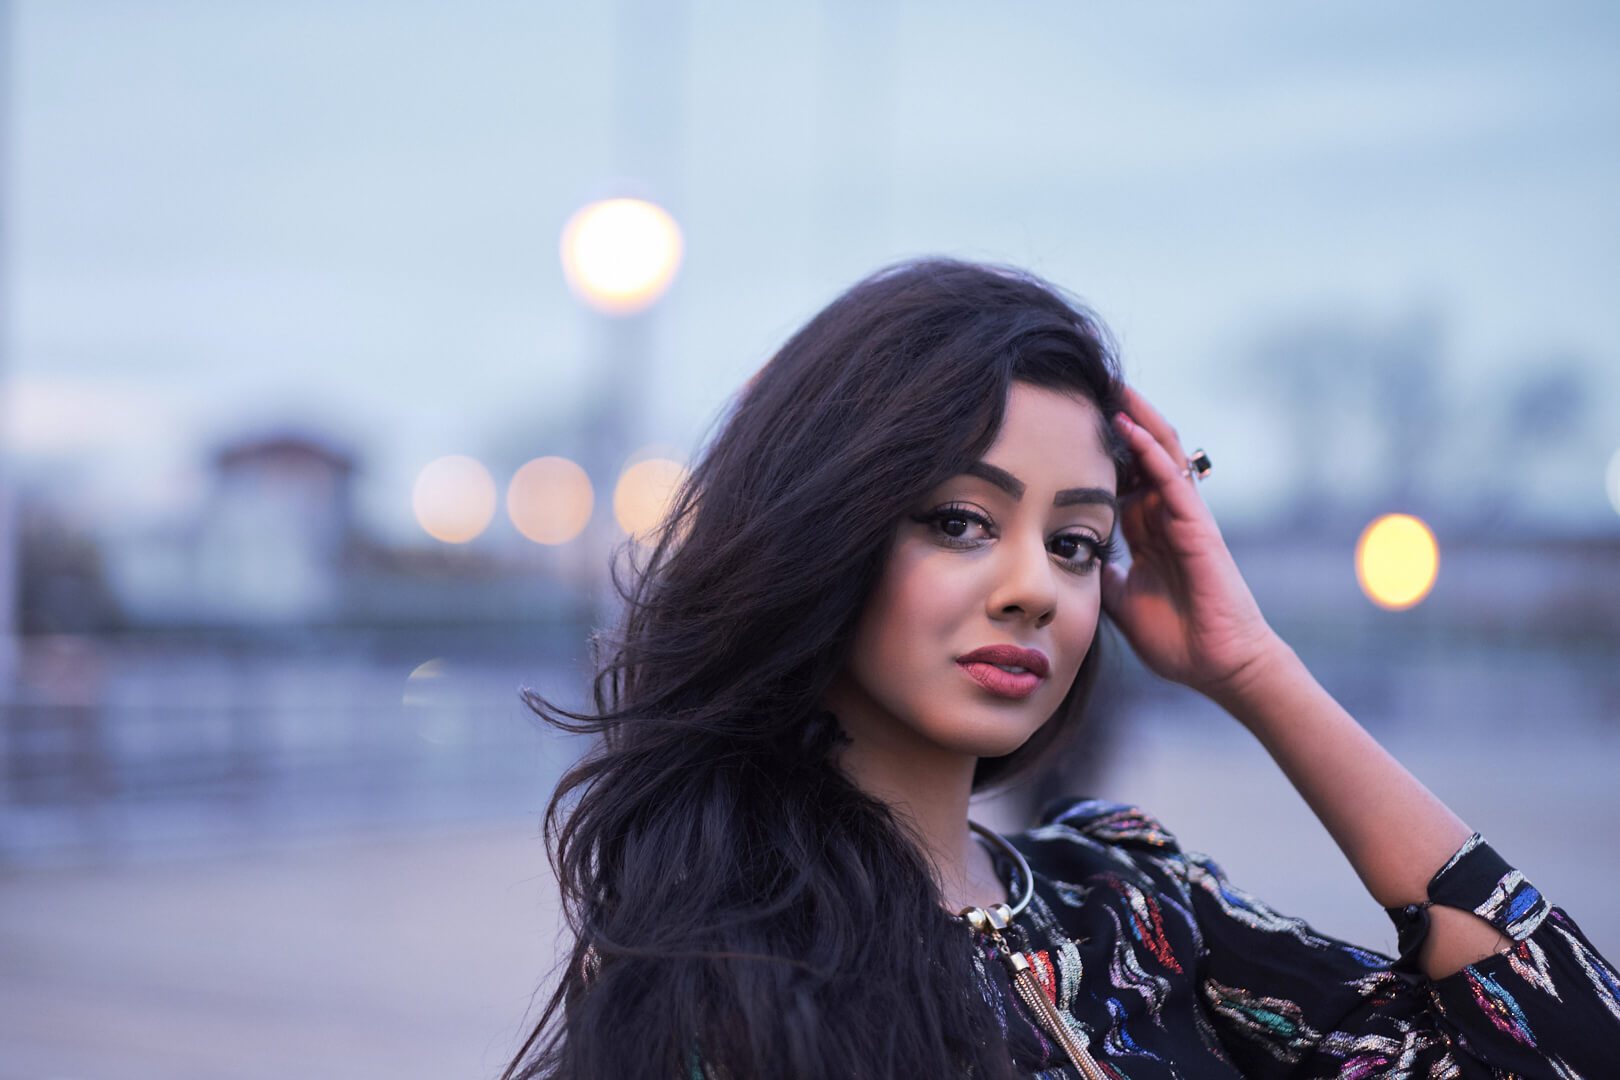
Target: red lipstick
(987, 667)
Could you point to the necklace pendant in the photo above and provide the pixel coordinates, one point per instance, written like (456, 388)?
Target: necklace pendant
(1027, 986)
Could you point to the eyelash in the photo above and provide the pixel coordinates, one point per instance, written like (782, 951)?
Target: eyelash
(1103, 551)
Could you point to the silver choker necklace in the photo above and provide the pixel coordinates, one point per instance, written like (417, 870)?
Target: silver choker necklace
(996, 842)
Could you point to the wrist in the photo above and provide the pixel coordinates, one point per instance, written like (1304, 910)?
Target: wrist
(1263, 677)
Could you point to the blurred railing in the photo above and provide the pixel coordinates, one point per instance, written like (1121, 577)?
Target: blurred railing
(120, 745)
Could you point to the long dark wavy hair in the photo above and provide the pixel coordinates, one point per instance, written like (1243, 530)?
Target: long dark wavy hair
(739, 908)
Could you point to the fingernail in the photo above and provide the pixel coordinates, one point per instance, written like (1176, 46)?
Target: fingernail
(1122, 420)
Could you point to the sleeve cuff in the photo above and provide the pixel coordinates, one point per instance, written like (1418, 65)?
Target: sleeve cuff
(1475, 879)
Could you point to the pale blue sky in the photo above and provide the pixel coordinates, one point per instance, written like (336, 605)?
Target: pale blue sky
(347, 214)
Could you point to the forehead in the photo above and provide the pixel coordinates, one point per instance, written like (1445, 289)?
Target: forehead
(1052, 432)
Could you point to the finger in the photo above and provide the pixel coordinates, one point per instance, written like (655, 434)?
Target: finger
(1113, 588)
(1149, 417)
(1136, 510)
(1179, 492)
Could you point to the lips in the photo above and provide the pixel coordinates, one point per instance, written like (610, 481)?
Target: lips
(988, 667)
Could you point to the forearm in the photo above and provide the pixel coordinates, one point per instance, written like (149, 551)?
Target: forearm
(1394, 831)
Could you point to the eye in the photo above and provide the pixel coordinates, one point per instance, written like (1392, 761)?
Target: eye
(956, 526)
(1081, 551)
(1069, 545)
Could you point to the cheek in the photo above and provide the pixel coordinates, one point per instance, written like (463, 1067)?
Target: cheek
(1076, 634)
(911, 611)
(913, 620)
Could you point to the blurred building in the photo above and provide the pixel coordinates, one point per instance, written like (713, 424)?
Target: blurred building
(269, 547)
(266, 546)
(275, 543)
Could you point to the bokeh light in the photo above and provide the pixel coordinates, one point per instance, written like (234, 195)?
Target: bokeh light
(440, 712)
(644, 493)
(549, 500)
(420, 679)
(1612, 484)
(454, 498)
(1396, 561)
(620, 255)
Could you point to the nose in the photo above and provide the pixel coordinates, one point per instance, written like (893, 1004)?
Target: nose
(1024, 587)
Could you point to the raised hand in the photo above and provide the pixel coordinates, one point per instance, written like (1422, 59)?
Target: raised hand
(1182, 604)
(1188, 614)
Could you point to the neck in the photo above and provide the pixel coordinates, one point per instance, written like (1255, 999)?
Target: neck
(928, 789)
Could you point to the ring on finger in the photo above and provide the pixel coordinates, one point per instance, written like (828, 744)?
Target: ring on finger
(1198, 466)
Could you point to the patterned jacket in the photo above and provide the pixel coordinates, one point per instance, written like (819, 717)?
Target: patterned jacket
(1165, 969)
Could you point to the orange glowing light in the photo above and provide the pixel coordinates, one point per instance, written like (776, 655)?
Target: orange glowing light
(620, 255)
(1397, 560)
(549, 500)
(644, 494)
(453, 499)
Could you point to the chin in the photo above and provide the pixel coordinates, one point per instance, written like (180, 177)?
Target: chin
(997, 741)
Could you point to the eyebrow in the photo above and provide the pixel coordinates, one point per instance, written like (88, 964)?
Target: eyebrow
(1013, 486)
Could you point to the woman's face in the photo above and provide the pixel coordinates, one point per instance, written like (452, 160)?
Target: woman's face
(999, 559)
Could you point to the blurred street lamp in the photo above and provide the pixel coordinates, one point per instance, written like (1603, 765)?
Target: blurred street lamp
(620, 255)
(1397, 561)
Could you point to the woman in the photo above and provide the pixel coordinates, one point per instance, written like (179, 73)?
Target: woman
(880, 591)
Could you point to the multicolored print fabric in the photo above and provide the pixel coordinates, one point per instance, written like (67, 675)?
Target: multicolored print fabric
(1164, 969)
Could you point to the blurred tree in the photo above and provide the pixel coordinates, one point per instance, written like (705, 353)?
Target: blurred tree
(1549, 405)
(1539, 437)
(1408, 403)
(1363, 406)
